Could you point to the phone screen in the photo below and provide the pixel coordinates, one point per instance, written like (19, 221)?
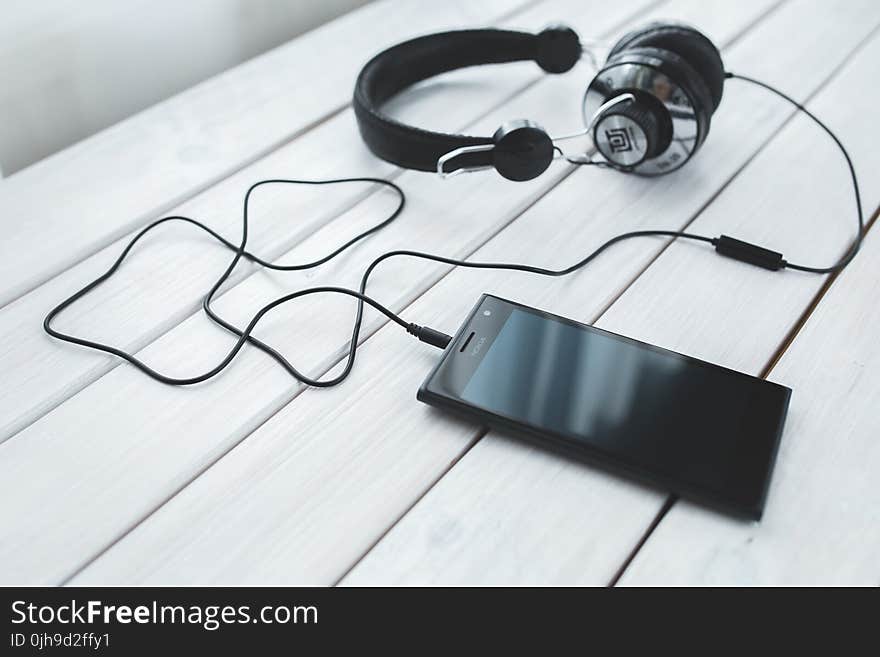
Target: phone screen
(687, 422)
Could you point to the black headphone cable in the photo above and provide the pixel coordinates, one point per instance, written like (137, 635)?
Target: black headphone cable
(860, 235)
(724, 245)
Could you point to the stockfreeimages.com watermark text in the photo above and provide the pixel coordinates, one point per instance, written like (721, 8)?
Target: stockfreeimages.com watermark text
(210, 617)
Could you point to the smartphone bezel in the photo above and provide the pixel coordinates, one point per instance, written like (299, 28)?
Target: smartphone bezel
(444, 385)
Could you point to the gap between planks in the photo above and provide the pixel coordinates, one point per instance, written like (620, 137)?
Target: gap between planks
(366, 333)
(477, 437)
(786, 342)
(419, 294)
(248, 269)
(199, 188)
(802, 320)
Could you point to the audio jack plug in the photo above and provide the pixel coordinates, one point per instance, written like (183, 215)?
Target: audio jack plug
(431, 336)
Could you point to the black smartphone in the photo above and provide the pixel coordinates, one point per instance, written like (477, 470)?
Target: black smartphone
(699, 430)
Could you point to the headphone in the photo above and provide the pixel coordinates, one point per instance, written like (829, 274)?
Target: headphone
(648, 109)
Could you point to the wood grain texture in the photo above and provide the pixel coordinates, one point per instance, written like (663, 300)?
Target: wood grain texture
(822, 523)
(163, 282)
(124, 444)
(326, 466)
(81, 199)
(687, 300)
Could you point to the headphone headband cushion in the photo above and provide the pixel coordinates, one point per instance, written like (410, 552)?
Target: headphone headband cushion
(686, 42)
(555, 50)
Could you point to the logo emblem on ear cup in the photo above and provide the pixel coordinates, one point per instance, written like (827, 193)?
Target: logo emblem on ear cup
(628, 133)
(618, 139)
(523, 150)
(621, 140)
(672, 124)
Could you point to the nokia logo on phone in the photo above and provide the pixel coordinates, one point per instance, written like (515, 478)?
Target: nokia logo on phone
(478, 346)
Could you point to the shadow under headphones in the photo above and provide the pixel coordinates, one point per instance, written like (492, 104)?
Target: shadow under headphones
(648, 109)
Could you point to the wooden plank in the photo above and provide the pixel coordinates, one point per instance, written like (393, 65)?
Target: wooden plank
(164, 281)
(70, 69)
(691, 301)
(822, 524)
(324, 478)
(133, 427)
(81, 199)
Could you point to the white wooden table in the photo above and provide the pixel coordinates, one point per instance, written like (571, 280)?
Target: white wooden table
(109, 477)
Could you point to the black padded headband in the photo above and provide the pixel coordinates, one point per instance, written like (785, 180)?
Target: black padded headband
(555, 49)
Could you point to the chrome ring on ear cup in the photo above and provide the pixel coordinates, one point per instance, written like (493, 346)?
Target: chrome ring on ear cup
(688, 43)
(678, 67)
(670, 80)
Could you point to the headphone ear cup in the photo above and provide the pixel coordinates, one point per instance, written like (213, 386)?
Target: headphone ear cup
(688, 43)
(523, 150)
(670, 80)
(679, 70)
